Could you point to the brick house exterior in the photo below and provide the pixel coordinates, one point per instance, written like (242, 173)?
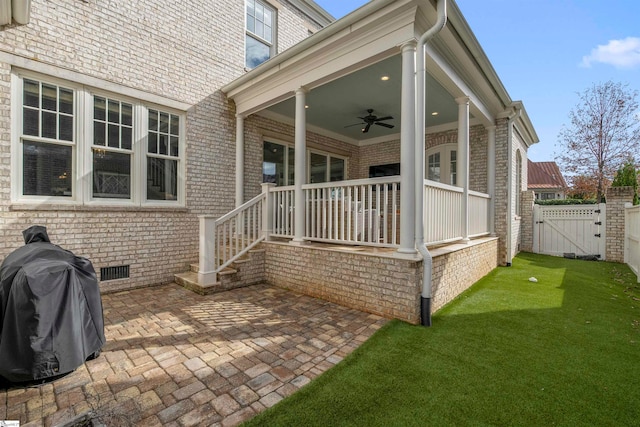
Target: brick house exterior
(186, 62)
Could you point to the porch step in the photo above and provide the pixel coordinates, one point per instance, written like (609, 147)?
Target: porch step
(189, 280)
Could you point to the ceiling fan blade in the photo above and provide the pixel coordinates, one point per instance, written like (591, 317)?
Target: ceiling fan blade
(366, 128)
(355, 124)
(384, 118)
(385, 125)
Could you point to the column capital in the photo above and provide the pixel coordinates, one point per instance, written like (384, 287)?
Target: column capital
(491, 128)
(240, 116)
(409, 45)
(463, 100)
(301, 90)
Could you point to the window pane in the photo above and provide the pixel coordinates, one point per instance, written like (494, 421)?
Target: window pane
(99, 108)
(318, 168)
(153, 143)
(99, 131)
(162, 179)
(127, 115)
(175, 125)
(257, 52)
(273, 163)
(251, 23)
(66, 101)
(114, 136)
(337, 169)
(453, 169)
(291, 167)
(114, 111)
(174, 147)
(49, 125)
(46, 169)
(65, 124)
(260, 29)
(49, 98)
(111, 174)
(164, 122)
(267, 33)
(434, 167)
(31, 122)
(126, 138)
(31, 94)
(162, 144)
(267, 17)
(153, 120)
(251, 7)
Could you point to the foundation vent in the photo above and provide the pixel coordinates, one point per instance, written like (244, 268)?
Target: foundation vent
(113, 273)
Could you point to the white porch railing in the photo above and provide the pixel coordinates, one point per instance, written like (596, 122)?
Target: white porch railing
(225, 239)
(358, 212)
(632, 238)
(479, 204)
(443, 213)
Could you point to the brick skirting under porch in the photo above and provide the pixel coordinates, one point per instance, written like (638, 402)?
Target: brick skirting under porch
(378, 282)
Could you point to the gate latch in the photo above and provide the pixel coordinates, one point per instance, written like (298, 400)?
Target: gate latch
(597, 211)
(598, 235)
(598, 222)
(539, 222)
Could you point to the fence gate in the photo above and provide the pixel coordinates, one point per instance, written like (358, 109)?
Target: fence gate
(578, 229)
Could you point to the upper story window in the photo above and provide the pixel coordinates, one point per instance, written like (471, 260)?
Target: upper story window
(261, 33)
(77, 145)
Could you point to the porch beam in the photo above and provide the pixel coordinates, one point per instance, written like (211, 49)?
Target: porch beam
(407, 150)
(300, 166)
(463, 161)
(491, 176)
(239, 160)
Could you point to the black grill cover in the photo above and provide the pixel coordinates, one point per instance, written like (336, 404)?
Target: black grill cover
(50, 310)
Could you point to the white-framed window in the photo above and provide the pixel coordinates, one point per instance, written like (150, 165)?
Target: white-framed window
(441, 164)
(325, 167)
(260, 32)
(79, 145)
(278, 165)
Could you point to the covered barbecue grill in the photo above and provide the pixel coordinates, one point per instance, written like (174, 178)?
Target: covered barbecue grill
(50, 310)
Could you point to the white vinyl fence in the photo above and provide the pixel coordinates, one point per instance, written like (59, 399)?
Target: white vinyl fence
(632, 238)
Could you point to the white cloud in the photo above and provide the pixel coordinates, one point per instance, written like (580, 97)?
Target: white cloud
(623, 53)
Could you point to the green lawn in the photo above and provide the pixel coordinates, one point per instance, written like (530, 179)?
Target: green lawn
(509, 352)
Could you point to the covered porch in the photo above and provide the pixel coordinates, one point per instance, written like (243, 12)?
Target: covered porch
(335, 143)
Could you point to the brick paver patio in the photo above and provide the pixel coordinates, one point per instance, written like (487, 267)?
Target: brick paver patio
(175, 358)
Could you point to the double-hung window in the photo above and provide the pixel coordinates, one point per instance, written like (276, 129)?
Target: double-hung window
(260, 33)
(78, 145)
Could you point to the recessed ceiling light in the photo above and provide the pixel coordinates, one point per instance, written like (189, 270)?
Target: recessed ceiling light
(384, 78)
(435, 113)
(306, 106)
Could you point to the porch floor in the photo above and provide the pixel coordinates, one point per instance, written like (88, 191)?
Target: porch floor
(176, 358)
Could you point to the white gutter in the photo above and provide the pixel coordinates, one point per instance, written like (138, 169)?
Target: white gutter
(427, 260)
(512, 118)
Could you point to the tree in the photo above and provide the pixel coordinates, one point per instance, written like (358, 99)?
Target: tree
(604, 132)
(583, 187)
(627, 176)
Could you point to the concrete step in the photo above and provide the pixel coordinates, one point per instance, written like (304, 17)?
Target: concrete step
(189, 280)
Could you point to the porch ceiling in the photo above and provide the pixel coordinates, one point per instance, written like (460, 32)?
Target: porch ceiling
(334, 106)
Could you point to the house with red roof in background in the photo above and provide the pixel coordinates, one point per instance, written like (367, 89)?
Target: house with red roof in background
(546, 180)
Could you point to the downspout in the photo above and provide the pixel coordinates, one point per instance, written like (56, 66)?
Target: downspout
(512, 118)
(427, 260)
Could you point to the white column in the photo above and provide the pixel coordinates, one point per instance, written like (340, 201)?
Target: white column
(300, 166)
(463, 161)
(239, 160)
(407, 150)
(207, 250)
(491, 177)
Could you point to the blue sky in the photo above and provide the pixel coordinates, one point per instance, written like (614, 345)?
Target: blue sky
(545, 51)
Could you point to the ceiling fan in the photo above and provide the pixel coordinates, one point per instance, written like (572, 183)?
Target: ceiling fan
(370, 119)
